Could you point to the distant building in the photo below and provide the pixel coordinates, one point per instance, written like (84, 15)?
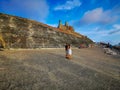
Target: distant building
(65, 27)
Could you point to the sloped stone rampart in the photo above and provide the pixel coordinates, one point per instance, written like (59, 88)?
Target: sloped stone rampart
(19, 32)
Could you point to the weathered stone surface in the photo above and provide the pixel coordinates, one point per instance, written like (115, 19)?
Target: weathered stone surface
(47, 69)
(23, 33)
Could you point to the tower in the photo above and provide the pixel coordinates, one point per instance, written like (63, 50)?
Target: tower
(60, 24)
(66, 24)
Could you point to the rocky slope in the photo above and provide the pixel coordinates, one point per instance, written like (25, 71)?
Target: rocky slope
(17, 32)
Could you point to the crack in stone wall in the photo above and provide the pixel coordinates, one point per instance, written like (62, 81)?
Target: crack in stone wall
(30, 41)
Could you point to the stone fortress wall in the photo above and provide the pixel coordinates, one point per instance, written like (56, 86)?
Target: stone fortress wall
(17, 32)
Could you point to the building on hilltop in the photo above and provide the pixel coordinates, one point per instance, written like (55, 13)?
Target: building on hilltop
(65, 27)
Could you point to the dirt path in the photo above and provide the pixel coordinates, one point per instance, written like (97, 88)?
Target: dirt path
(47, 69)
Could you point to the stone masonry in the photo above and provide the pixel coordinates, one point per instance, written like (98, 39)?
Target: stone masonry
(17, 32)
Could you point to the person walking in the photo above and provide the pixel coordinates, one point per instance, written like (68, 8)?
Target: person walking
(68, 52)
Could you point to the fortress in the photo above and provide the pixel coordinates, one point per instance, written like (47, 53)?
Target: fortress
(65, 27)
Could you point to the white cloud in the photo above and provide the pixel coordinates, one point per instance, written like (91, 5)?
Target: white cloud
(116, 26)
(98, 16)
(116, 29)
(99, 24)
(102, 34)
(114, 32)
(102, 31)
(93, 16)
(37, 9)
(68, 5)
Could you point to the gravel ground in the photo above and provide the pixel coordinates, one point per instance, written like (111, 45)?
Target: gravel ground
(47, 69)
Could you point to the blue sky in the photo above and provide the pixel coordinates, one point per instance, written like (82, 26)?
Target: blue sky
(97, 19)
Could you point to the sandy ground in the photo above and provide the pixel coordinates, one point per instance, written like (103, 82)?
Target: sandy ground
(47, 69)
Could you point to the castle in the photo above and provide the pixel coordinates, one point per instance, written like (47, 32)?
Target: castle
(65, 27)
